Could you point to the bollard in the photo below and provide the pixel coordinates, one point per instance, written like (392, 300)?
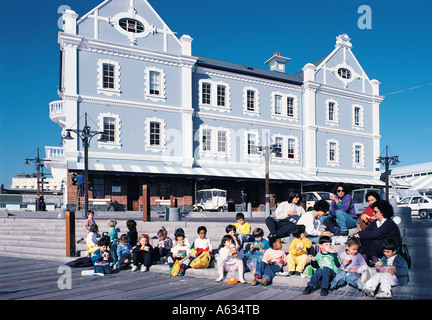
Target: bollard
(267, 210)
(172, 214)
(70, 234)
(4, 213)
(61, 214)
(249, 210)
(402, 215)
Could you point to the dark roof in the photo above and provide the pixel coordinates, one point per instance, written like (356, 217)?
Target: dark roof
(247, 70)
(316, 64)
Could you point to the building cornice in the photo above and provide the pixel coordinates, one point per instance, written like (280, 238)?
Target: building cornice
(343, 93)
(112, 49)
(131, 104)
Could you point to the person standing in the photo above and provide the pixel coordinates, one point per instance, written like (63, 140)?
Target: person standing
(244, 201)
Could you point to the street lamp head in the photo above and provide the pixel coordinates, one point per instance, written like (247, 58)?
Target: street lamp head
(103, 138)
(67, 136)
(26, 163)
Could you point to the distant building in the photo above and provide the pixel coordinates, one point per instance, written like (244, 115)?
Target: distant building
(414, 177)
(29, 182)
(178, 123)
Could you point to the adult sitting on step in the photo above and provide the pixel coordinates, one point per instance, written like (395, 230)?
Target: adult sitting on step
(342, 211)
(383, 227)
(286, 216)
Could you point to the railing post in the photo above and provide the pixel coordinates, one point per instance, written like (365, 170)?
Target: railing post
(70, 234)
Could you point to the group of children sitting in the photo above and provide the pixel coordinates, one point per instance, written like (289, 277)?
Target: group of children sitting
(265, 258)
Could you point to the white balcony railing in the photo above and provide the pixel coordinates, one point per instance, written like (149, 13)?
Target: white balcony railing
(56, 112)
(54, 153)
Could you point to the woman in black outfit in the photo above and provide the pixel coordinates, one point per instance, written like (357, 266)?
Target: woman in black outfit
(383, 227)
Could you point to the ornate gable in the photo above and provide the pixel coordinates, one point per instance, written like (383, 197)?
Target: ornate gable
(129, 22)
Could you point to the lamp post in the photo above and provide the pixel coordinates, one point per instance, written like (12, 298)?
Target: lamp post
(387, 161)
(273, 148)
(39, 164)
(85, 135)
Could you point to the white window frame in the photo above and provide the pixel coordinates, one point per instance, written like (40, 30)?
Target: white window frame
(345, 81)
(162, 138)
(132, 37)
(335, 121)
(256, 111)
(162, 78)
(360, 125)
(284, 150)
(252, 156)
(110, 145)
(284, 103)
(336, 161)
(361, 163)
(108, 91)
(213, 105)
(214, 142)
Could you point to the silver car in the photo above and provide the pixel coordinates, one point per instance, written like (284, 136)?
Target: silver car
(420, 205)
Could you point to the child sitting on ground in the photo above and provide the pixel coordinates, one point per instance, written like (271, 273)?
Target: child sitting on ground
(353, 265)
(142, 254)
(243, 228)
(180, 252)
(102, 257)
(297, 257)
(257, 249)
(113, 231)
(392, 271)
(91, 240)
(164, 245)
(202, 243)
(123, 253)
(180, 232)
(260, 245)
(328, 262)
(132, 232)
(272, 262)
(231, 230)
(228, 259)
(113, 234)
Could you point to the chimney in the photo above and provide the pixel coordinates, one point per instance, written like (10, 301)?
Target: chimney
(343, 41)
(277, 62)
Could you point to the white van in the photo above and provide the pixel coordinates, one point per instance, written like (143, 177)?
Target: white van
(360, 203)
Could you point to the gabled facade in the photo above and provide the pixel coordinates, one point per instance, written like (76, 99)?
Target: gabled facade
(178, 122)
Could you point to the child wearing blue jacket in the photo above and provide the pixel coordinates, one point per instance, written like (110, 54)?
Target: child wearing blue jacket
(124, 252)
(257, 249)
(102, 257)
(392, 271)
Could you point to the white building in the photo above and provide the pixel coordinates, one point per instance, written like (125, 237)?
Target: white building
(177, 122)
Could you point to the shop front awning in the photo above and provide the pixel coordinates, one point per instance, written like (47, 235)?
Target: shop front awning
(420, 182)
(224, 173)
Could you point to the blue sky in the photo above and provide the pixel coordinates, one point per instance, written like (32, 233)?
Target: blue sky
(396, 51)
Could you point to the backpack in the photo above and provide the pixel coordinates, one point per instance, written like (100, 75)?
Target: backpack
(404, 253)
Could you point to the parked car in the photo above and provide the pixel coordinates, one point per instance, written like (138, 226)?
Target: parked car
(314, 196)
(420, 205)
(360, 203)
(210, 199)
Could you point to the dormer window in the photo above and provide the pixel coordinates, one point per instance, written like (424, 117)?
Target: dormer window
(131, 25)
(344, 73)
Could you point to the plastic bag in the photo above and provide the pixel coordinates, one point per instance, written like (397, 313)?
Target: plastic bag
(176, 268)
(202, 261)
(251, 264)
